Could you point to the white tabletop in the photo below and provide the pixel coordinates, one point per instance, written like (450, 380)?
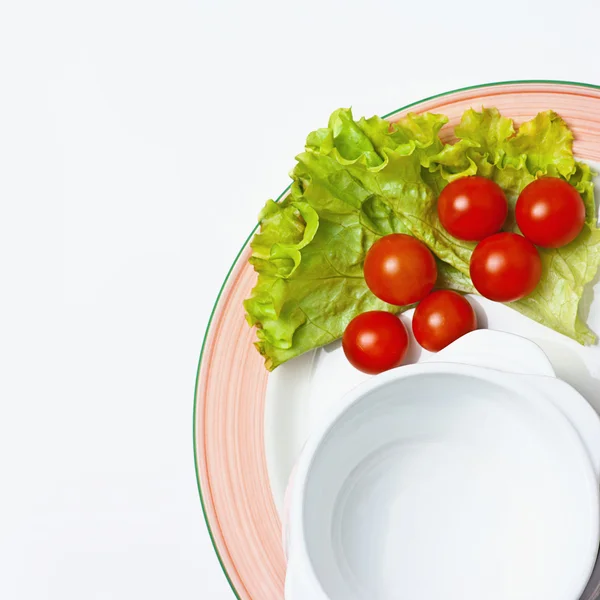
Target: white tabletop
(138, 141)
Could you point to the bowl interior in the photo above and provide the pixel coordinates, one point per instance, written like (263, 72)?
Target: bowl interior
(435, 485)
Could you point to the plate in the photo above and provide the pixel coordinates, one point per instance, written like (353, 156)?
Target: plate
(249, 426)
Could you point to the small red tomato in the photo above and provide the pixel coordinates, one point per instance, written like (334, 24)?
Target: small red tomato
(505, 267)
(375, 341)
(550, 212)
(441, 318)
(399, 269)
(472, 208)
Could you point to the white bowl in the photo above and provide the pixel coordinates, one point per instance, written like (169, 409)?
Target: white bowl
(447, 480)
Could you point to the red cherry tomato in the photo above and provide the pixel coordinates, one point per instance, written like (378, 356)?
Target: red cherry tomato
(399, 269)
(375, 341)
(442, 318)
(505, 267)
(472, 208)
(550, 212)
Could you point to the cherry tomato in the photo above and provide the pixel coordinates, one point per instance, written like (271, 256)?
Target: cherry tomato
(505, 267)
(375, 341)
(550, 212)
(441, 318)
(399, 269)
(472, 208)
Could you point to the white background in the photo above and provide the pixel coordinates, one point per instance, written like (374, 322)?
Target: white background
(138, 141)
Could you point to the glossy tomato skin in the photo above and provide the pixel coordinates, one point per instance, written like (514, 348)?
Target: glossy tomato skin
(505, 267)
(441, 318)
(399, 269)
(472, 208)
(550, 212)
(375, 341)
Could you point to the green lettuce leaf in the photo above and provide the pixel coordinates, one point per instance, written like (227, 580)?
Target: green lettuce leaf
(359, 180)
(541, 147)
(311, 247)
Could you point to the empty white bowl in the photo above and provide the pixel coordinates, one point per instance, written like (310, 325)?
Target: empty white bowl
(447, 480)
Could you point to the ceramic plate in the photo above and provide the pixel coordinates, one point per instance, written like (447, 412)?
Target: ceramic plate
(249, 426)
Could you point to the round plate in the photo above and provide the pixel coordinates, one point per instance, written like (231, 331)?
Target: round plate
(235, 475)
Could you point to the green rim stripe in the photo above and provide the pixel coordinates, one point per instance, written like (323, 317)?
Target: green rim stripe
(214, 308)
(489, 85)
(212, 314)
